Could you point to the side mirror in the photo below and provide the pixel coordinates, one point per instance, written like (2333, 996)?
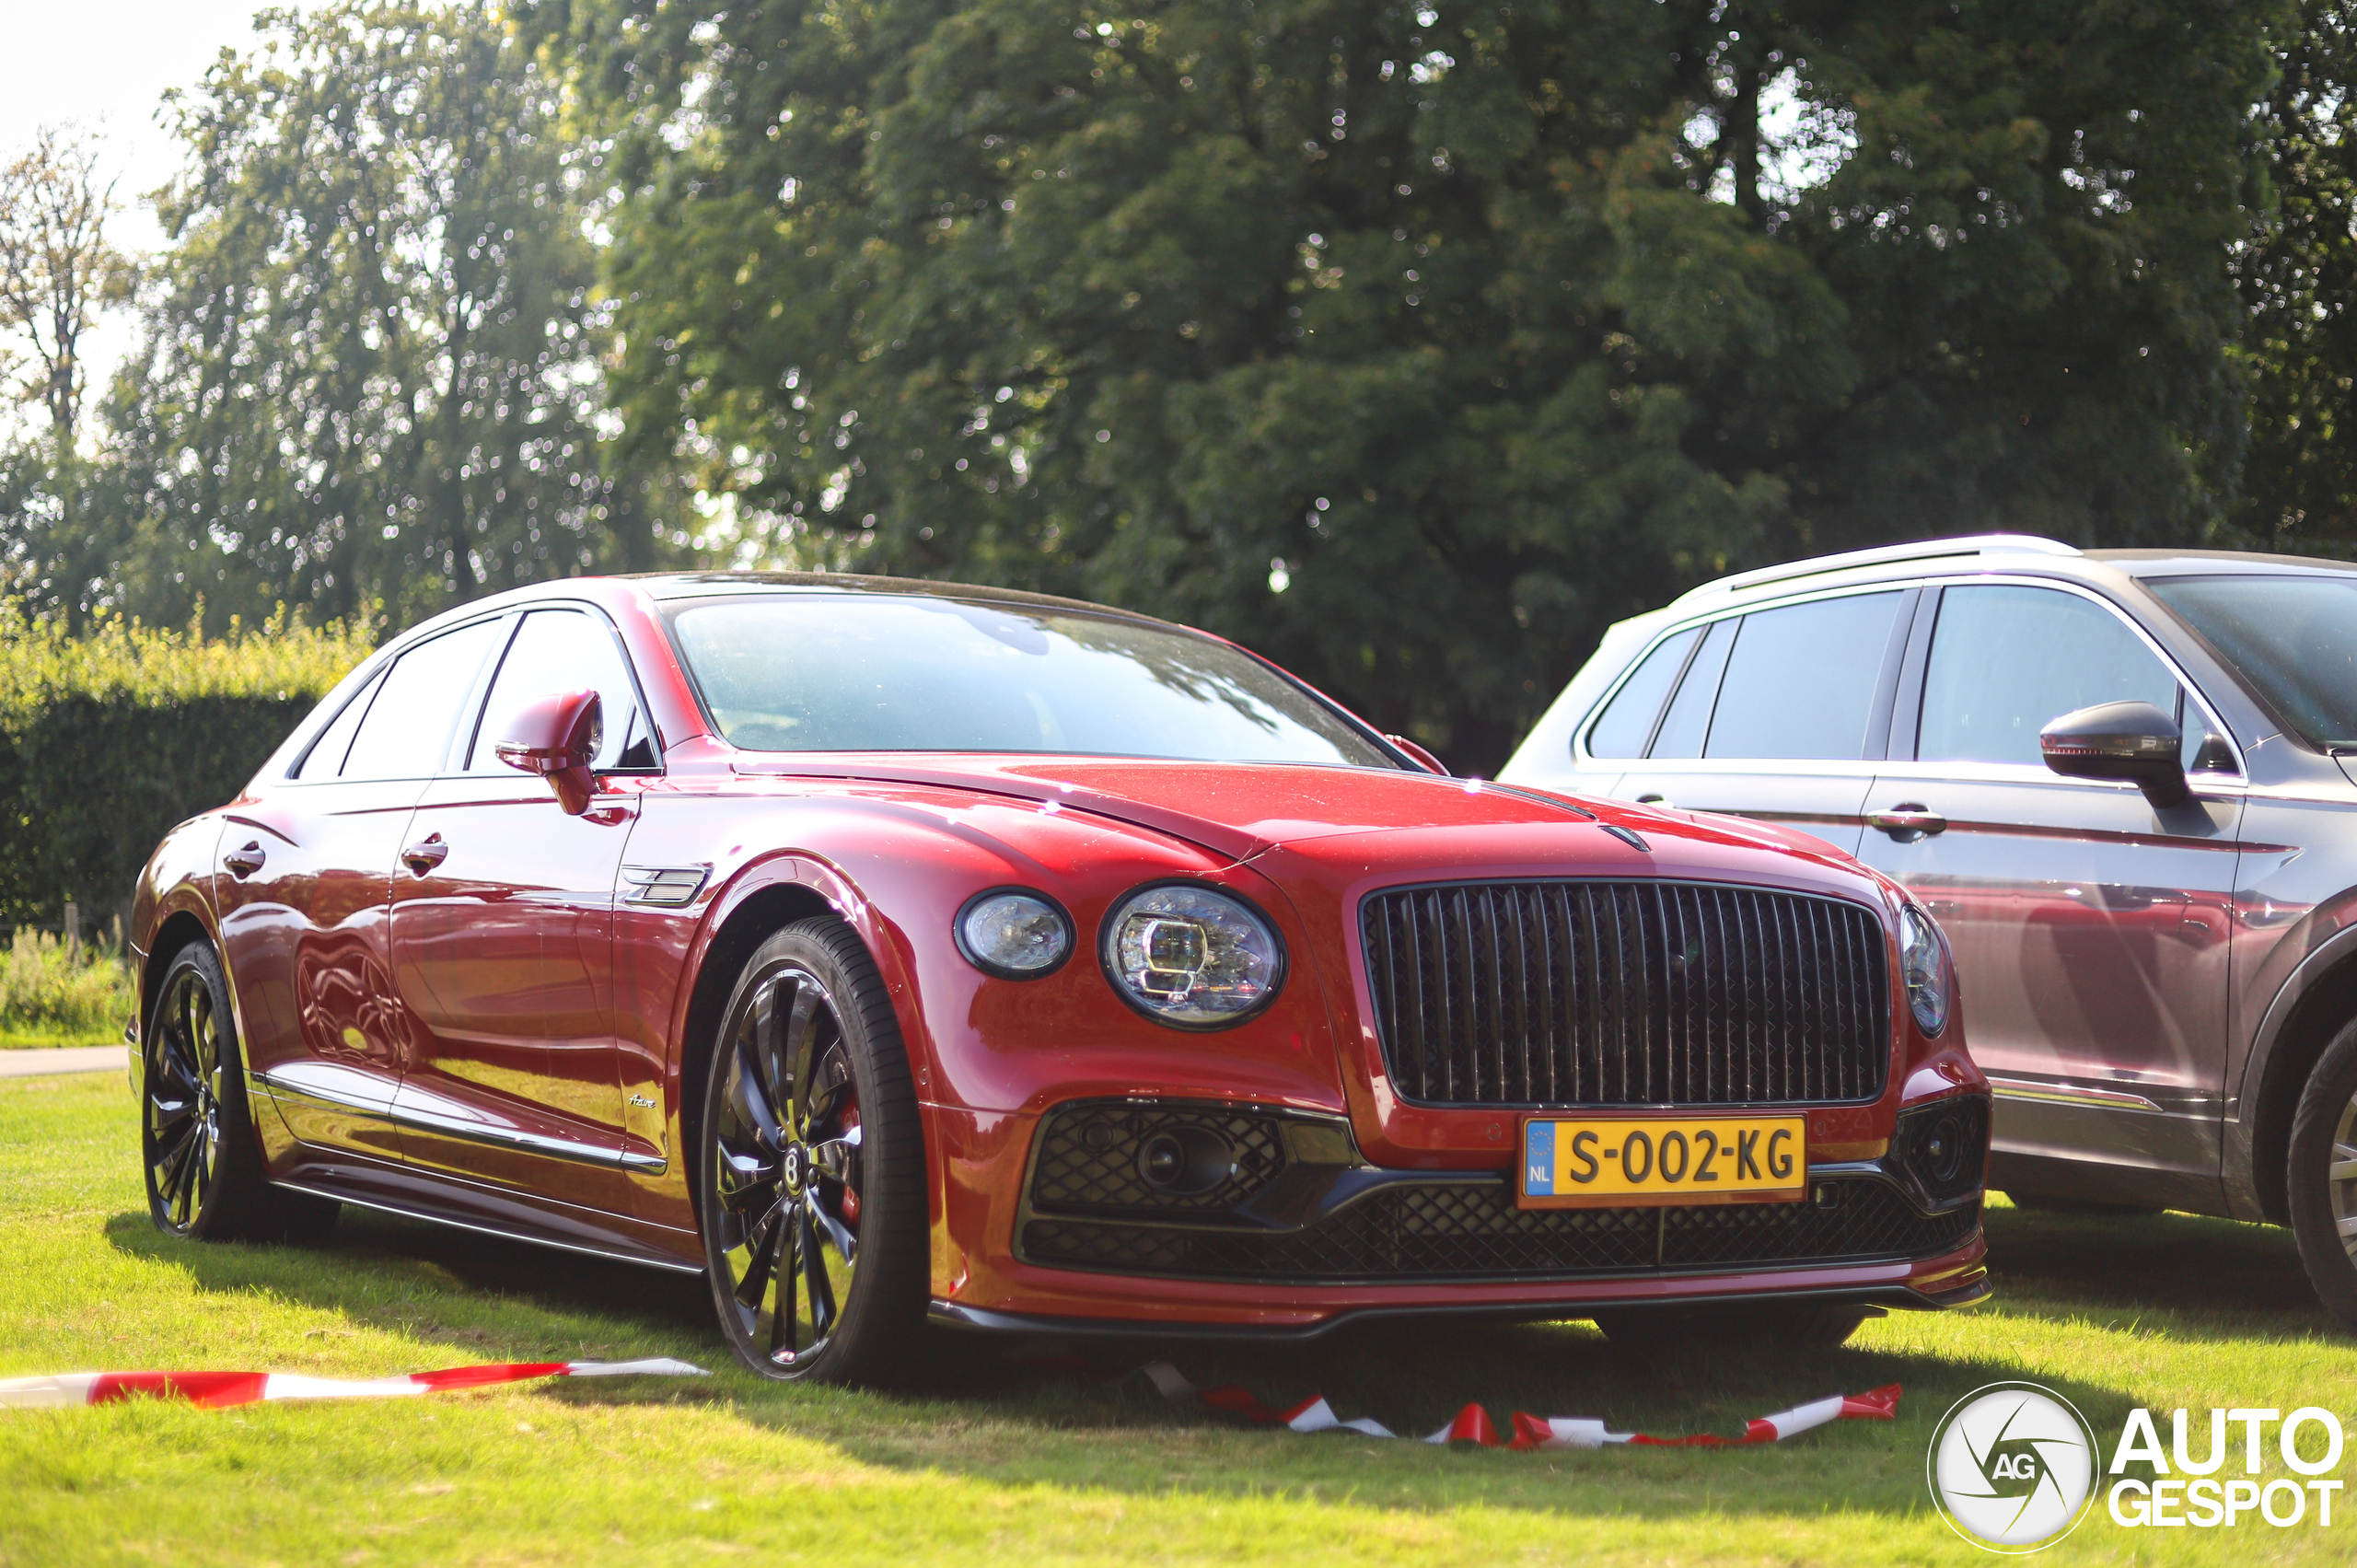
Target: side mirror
(1417, 754)
(2120, 740)
(556, 736)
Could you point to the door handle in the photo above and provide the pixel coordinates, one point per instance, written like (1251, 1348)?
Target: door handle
(423, 858)
(244, 863)
(1908, 822)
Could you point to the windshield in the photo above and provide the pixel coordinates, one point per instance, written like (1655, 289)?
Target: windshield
(871, 672)
(2293, 638)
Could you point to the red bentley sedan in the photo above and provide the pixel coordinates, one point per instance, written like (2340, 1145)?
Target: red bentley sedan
(900, 954)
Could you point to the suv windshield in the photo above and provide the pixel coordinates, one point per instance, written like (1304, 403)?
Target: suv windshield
(2293, 638)
(873, 672)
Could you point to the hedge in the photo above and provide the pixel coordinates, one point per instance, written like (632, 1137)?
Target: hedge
(107, 741)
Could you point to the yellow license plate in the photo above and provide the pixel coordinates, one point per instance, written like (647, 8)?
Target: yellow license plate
(1641, 1161)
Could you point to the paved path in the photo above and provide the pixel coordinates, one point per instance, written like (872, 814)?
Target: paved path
(73, 1059)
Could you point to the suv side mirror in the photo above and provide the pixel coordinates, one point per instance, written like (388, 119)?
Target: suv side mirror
(2120, 740)
(557, 737)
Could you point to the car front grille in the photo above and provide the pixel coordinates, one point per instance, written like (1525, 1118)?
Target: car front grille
(1474, 1231)
(1644, 993)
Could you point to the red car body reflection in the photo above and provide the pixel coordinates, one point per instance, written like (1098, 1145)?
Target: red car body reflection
(502, 1033)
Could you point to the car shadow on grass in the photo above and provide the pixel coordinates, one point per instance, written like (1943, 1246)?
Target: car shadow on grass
(1073, 1412)
(2205, 1279)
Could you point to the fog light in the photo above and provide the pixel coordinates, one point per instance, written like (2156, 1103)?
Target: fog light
(1184, 1161)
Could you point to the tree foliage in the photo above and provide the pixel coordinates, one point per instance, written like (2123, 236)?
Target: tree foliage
(2298, 273)
(1410, 342)
(372, 372)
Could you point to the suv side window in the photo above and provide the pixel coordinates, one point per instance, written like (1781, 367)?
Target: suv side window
(1627, 723)
(1801, 680)
(406, 734)
(2006, 660)
(565, 650)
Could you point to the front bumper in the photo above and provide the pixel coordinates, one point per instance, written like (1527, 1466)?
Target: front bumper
(1304, 1233)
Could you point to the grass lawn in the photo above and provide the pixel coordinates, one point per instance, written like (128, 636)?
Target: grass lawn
(1014, 1463)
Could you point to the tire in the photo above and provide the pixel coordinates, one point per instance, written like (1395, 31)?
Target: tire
(203, 1157)
(2323, 1125)
(811, 1178)
(1779, 1325)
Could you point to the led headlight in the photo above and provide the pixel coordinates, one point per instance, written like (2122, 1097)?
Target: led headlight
(1924, 953)
(1191, 957)
(1014, 933)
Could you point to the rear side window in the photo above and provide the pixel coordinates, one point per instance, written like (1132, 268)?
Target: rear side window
(2007, 661)
(406, 734)
(1687, 722)
(325, 758)
(1801, 680)
(1627, 720)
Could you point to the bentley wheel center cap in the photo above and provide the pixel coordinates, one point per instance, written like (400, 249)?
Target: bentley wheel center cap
(793, 1167)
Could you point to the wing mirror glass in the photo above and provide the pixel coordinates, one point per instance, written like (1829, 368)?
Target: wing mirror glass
(2136, 741)
(557, 737)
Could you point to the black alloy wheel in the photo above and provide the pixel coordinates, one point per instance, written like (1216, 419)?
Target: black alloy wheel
(811, 1182)
(206, 1175)
(2321, 1188)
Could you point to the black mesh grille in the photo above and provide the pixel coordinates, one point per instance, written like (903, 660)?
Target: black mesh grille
(1088, 1158)
(1649, 992)
(1476, 1232)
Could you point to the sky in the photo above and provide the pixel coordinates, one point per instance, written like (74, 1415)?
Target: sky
(103, 65)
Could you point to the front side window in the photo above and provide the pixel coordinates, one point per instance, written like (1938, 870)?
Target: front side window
(2007, 661)
(564, 650)
(875, 672)
(406, 733)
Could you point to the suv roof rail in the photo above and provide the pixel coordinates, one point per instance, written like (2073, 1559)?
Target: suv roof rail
(1914, 550)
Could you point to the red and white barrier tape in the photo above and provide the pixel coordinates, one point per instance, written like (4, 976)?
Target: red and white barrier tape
(1474, 1425)
(219, 1390)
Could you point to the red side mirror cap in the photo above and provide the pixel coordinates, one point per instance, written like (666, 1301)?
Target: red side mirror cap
(556, 736)
(1419, 755)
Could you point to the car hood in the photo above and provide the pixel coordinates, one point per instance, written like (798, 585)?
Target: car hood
(1355, 815)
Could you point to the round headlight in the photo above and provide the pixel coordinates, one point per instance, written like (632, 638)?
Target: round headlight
(1191, 957)
(1924, 952)
(1014, 933)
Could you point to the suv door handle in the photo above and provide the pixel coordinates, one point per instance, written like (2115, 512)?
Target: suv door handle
(244, 863)
(423, 858)
(1908, 822)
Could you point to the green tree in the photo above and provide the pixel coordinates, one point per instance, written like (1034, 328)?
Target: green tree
(2298, 273)
(1411, 342)
(372, 370)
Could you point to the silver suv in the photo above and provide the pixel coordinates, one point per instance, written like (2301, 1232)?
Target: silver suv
(2123, 782)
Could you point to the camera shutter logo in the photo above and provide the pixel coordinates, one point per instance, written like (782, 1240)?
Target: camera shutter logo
(2012, 1467)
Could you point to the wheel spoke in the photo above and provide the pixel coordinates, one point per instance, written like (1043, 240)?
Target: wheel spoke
(802, 1030)
(838, 1157)
(822, 1289)
(752, 1100)
(786, 1325)
(2347, 1226)
(204, 1036)
(2343, 1166)
(166, 1114)
(830, 1079)
(171, 1164)
(761, 1264)
(845, 1242)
